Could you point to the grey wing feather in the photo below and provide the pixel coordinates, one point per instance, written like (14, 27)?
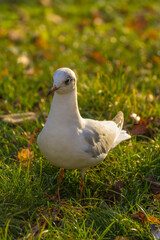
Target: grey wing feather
(99, 140)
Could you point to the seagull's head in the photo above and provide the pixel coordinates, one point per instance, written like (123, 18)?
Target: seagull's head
(64, 81)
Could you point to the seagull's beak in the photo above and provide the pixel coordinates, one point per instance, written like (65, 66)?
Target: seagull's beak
(52, 90)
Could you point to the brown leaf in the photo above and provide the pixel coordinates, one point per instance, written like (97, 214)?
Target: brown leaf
(5, 72)
(154, 185)
(138, 23)
(115, 191)
(19, 118)
(40, 42)
(156, 59)
(153, 223)
(140, 216)
(48, 56)
(144, 126)
(98, 57)
(141, 129)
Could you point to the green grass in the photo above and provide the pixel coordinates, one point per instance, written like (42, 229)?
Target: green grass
(114, 48)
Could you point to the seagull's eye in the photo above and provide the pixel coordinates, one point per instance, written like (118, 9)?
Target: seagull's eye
(67, 81)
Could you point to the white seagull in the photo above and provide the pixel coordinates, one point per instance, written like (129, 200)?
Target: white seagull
(69, 141)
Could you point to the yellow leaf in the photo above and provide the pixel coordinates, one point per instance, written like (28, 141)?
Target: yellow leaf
(25, 156)
(41, 43)
(153, 220)
(151, 33)
(5, 72)
(156, 59)
(3, 32)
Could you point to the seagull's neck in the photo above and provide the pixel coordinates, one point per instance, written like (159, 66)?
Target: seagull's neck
(64, 108)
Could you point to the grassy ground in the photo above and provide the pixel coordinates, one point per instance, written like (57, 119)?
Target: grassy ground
(114, 48)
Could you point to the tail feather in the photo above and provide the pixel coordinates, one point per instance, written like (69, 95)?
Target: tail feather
(119, 119)
(121, 134)
(122, 137)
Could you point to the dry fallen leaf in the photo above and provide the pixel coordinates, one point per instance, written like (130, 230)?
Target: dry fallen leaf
(144, 127)
(41, 43)
(98, 57)
(154, 185)
(151, 33)
(141, 129)
(25, 156)
(138, 23)
(114, 192)
(19, 118)
(48, 56)
(140, 216)
(4, 72)
(153, 221)
(156, 59)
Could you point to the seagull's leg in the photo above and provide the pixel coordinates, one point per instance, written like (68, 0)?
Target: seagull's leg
(60, 181)
(57, 195)
(82, 183)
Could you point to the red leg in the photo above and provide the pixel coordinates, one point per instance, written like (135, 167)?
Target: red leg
(57, 194)
(60, 181)
(81, 188)
(82, 184)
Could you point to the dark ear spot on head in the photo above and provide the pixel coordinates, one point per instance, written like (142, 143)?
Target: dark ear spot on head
(67, 81)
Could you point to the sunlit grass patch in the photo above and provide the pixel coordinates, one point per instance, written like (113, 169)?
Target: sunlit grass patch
(114, 49)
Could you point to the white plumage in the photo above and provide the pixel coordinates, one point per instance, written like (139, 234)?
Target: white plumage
(70, 141)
